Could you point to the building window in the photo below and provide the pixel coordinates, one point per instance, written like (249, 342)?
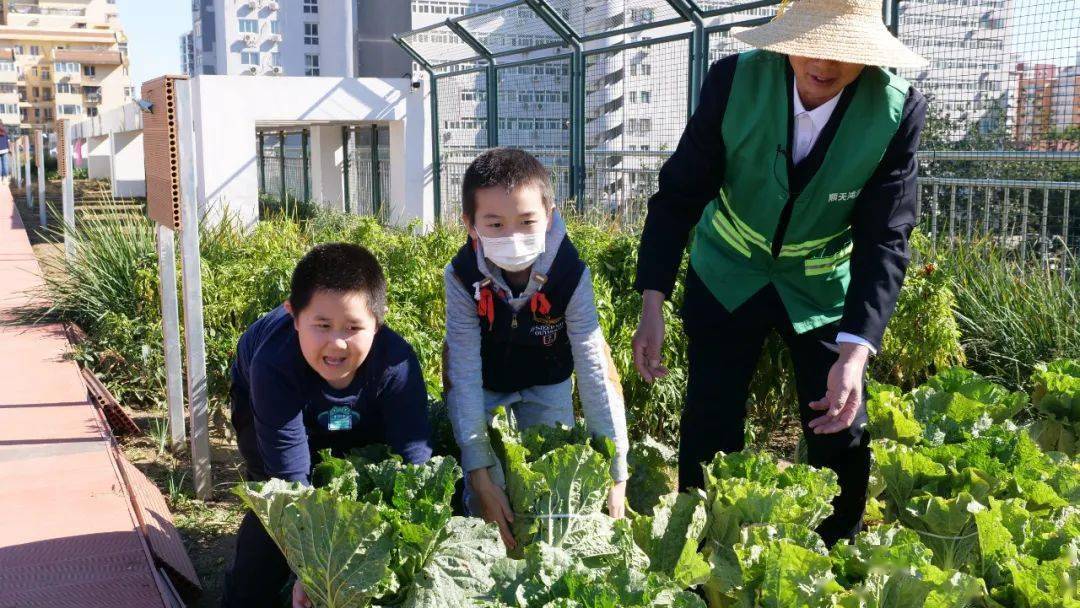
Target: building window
(7, 66)
(35, 49)
(311, 65)
(92, 111)
(37, 113)
(66, 67)
(275, 27)
(89, 70)
(275, 59)
(18, 49)
(9, 108)
(24, 114)
(48, 113)
(249, 26)
(311, 34)
(70, 110)
(47, 94)
(65, 87)
(311, 7)
(249, 58)
(45, 73)
(7, 87)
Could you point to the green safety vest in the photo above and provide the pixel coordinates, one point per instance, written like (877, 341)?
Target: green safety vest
(732, 249)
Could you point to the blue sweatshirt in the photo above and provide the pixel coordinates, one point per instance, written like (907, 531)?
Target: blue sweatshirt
(289, 404)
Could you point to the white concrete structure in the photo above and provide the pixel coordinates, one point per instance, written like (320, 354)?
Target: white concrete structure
(225, 119)
(274, 37)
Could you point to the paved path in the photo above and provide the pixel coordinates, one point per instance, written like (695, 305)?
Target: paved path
(68, 532)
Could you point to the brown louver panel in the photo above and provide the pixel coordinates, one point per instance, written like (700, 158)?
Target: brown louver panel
(61, 148)
(161, 151)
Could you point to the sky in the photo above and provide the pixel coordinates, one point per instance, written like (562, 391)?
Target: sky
(153, 28)
(1047, 31)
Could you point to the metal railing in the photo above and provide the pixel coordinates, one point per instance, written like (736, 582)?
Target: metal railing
(601, 91)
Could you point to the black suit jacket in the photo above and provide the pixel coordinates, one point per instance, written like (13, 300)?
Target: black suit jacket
(882, 220)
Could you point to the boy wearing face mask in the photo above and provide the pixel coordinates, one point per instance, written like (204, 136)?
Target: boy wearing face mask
(520, 320)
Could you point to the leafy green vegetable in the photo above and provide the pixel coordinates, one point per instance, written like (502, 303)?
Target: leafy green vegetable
(652, 474)
(1057, 399)
(672, 535)
(339, 549)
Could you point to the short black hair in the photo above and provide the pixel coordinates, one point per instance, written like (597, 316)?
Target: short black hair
(507, 168)
(339, 267)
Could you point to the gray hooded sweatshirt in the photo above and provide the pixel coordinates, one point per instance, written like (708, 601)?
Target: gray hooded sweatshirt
(471, 405)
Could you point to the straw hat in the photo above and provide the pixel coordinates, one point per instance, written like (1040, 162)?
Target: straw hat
(841, 30)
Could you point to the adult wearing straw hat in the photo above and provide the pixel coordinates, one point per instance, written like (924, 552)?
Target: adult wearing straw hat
(798, 171)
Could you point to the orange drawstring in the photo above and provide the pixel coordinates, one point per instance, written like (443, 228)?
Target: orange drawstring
(539, 303)
(485, 307)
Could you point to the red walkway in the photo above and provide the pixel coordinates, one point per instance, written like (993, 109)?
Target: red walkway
(69, 535)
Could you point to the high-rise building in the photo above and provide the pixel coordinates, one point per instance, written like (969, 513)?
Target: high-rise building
(268, 37)
(967, 43)
(60, 59)
(187, 53)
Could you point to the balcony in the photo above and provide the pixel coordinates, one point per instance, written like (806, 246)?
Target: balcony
(89, 57)
(92, 97)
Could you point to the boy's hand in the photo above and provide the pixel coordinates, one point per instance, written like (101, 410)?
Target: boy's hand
(299, 596)
(494, 507)
(648, 340)
(616, 500)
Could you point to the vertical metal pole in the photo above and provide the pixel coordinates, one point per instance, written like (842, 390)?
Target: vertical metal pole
(281, 163)
(15, 166)
(39, 139)
(918, 200)
(933, 218)
(1065, 234)
(579, 135)
(1024, 225)
(192, 286)
(436, 159)
(971, 220)
(262, 162)
(1005, 218)
(304, 143)
(376, 190)
(28, 188)
(1044, 249)
(492, 104)
(986, 212)
(68, 188)
(345, 167)
(170, 329)
(952, 216)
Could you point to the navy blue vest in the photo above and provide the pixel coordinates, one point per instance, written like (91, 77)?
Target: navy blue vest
(530, 348)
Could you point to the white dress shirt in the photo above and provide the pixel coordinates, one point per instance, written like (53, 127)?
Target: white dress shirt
(807, 127)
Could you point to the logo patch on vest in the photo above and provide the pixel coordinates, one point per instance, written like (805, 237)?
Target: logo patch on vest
(844, 196)
(547, 328)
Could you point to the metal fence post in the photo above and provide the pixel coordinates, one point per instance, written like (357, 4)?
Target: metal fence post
(39, 138)
(345, 167)
(952, 216)
(304, 142)
(970, 208)
(262, 162)
(1024, 224)
(1065, 230)
(1044, 249)
(436, 158)
(281, 163)
(376, 189)
(29, 187)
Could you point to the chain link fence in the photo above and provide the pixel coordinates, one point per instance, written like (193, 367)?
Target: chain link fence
(600, 90)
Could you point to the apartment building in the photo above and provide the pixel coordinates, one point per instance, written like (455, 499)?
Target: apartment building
(271, 37)
(60, 59)
(187, 53)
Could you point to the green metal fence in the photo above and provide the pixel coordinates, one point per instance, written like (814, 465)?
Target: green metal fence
(367, 172)
(284, 165)
(601, 90)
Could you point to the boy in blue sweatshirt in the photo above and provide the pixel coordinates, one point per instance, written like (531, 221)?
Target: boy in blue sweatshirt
(321, 371)
(520, 321)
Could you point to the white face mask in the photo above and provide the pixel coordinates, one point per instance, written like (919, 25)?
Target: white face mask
(515, 252)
